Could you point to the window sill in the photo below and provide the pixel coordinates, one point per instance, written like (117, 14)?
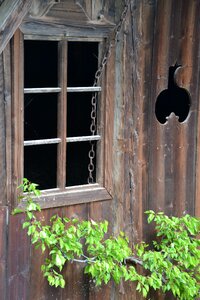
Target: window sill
(70, 196)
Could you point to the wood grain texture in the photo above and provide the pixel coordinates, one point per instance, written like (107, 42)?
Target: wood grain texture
(147, 165)
(40, 8)
(12, 13)
(62, 115)
(2, 138)
(18, 254)
(77, 282)
(17, 113)
(42, 28)
(3, 252)
(69, 197)
(39, 288)
(7, 101)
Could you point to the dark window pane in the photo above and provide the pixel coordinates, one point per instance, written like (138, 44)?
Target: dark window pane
(77, 163)
(40, 165)
(40, 116)
(40, 64)
(82, 63)
(78, 114)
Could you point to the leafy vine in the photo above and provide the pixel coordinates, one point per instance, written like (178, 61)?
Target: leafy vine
(171, 263)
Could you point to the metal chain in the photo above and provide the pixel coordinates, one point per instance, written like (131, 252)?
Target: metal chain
(93, 127)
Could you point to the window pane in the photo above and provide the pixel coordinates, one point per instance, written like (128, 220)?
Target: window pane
(40, 64)
(40, 116)
(77, 163)
(40, 165)
(78, 114)
(82, 63)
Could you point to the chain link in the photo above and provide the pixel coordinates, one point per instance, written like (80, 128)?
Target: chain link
(112, 40)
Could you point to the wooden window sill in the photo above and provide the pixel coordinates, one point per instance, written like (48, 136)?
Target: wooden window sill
(70, 196)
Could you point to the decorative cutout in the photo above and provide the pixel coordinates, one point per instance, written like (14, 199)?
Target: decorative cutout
(174, 99)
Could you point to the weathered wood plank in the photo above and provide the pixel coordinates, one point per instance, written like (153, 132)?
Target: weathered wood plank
(67, 197)
(39, 288)
(42, 142)
(7, 100)
(12, 13)
(62, 115)
(18, 259)
(190, 80)
(42, 90)
(65, 29)
(58, 140)
(57, 90)
(159, 81)
(76, 281)
(2, 136)
(40, 8)
(17, 113)
(3, 252)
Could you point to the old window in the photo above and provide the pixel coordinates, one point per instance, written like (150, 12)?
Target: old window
(53, 107)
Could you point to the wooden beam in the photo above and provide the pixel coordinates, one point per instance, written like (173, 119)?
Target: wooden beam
(83, 138)
(40, 8)
(41, 90)
(42, 142)
(71, 196)
(57, 90)
(12, 13)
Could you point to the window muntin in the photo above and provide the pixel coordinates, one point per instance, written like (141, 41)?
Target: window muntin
(72, 119)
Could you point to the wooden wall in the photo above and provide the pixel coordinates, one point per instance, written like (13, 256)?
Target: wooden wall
(152, 165)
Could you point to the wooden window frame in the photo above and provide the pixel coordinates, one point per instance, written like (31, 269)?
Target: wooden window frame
(61, 196)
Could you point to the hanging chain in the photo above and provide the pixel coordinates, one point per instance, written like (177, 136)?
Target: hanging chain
(93, 127)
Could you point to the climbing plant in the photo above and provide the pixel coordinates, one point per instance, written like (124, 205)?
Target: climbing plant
(170, 263)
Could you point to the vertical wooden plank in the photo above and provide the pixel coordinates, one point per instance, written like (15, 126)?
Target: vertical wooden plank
(18, 259)
(17, 112)
(62, 115)
(159, 81)
(127, 290)
(172, 142)
(2, 137)
(190, 80)
(77, 287)
(109, 96)
(39, 288)
(103, 210)
(7, 95)
(3, 252)
(196, 87)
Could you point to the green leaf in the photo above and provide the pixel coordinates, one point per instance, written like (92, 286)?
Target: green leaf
(17, 211)
(25, 224)
(43, 234)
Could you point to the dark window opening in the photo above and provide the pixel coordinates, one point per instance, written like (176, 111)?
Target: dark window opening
(82, 63)
(78, 114)
(41, 111)
(77, 163)
(40, 163)
(173, 99)
(40, 64)
(40, 116)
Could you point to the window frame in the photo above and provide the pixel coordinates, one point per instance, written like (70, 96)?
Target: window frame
(66, 195)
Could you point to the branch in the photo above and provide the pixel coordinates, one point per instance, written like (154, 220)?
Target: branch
(134, 260)
(87, 260)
